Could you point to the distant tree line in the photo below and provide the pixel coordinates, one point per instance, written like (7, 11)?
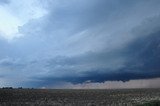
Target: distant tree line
(11, 88)
(15, 88)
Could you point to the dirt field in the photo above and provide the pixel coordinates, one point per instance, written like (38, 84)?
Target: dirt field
(48, 97)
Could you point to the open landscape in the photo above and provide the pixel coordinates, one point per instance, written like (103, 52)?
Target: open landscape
(78, 97)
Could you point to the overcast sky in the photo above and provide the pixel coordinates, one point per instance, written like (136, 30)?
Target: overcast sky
(50, 43)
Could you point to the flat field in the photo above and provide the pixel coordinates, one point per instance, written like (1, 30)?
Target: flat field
(69, 97)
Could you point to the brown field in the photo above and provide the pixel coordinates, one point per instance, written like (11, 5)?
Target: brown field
(68, 97)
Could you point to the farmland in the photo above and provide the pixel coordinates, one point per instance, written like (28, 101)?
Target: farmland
(78, 97)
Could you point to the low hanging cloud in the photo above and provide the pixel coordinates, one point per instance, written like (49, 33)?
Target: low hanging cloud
(138, 59)
(141, 83)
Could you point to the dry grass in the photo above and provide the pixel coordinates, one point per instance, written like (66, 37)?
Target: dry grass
(49, 97)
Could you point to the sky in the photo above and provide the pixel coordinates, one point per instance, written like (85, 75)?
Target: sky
(80, 43)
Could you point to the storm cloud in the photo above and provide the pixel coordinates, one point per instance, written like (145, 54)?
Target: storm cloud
(47, 43)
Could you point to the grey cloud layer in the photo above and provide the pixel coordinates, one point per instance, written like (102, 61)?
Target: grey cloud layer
(86, 40)
(141, 83)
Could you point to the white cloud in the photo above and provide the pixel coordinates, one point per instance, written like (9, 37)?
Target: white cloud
(17, 13)
(8, 23)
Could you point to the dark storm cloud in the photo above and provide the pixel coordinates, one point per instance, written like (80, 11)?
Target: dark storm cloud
(139, 59)
(145, 54)
(96, 77)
